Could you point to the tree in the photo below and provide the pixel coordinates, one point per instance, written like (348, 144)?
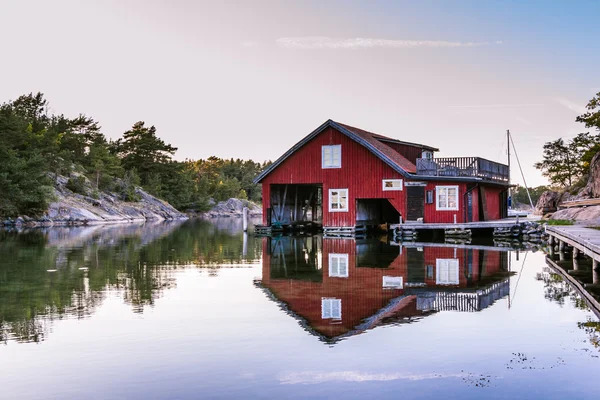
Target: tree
(565, 163)
(141, 149)
(559, 164)
(591, 118)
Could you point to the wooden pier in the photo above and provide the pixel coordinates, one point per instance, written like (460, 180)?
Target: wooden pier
(586, 240)
(506, 228)
(578, 241)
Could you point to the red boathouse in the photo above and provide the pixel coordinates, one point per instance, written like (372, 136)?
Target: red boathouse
(341, 176)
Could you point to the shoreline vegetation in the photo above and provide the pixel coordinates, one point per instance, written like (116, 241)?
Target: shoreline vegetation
(62, 170)
(573, 168)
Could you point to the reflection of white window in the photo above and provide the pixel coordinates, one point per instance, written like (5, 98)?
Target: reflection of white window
(331, 308)
(447, 197)
(392, 184)
(392, 282)
(331, 156)
(338, 265)
(338, 200)
(446, 271)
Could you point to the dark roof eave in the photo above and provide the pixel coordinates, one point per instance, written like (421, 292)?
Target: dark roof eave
(456, 179)
(422, 146)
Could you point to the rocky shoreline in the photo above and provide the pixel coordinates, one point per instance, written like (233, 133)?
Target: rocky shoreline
(232, 208)
(73, 209)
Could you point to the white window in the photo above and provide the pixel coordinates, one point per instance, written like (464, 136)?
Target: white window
(392, 282)
(446, 271)
(331, 308)
(428, 155)
(331, 156)
(338, 200)
(338, 265)
(392, 184)
(446, 197)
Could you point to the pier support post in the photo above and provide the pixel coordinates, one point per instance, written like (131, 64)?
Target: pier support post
(245, 219)
(595, 274)
(561, 256)
(561, 245)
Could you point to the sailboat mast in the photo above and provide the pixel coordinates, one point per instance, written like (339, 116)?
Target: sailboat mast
(508, 147)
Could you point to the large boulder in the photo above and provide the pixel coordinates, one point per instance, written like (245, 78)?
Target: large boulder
(592, 189)
(589, 215)
(547, 203)
(233, 208)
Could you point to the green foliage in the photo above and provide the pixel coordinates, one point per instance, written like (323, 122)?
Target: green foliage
(565, 164)
(126, 186)
(560, 222)
(591, 118)
(36, 147)
(519, 194)
(76, 184)
(222, 179)
(141, 149)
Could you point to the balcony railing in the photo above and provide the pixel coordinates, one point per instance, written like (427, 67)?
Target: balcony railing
(463, 167)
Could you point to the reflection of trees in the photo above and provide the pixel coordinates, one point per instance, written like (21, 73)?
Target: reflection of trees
(592, 328)
(558, 290)
(48, 275)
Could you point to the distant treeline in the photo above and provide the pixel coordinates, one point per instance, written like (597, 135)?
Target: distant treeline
(37, 147)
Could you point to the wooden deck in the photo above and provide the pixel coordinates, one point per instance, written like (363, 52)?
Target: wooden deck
(501, 223)
(585, 239)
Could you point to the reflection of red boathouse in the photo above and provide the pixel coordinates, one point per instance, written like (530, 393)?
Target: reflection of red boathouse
(341, 287)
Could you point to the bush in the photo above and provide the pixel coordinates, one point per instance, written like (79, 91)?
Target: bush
(76, 184)
(560, 222)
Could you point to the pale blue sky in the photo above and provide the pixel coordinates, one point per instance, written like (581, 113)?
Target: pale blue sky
(242, 79)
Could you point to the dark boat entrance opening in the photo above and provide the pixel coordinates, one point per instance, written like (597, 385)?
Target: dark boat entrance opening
(296, 207)
(374, 213)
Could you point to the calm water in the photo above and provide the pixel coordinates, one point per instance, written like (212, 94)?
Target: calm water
(196, 310)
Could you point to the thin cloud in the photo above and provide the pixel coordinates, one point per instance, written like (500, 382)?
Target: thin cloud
(578, 108)
(322, 42)
(249, 43)
(497, 105)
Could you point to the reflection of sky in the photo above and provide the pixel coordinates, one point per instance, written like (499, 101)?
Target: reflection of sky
(221, 337)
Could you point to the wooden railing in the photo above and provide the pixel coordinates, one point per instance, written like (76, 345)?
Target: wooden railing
(463, 167)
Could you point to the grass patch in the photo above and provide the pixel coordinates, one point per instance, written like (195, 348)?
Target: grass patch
(560, 222)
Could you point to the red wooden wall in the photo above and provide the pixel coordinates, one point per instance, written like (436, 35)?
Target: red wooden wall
(361, 173)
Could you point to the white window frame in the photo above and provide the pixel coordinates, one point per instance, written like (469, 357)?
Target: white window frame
(392, 282)
(397, 181)
(447, 271)
(332, 149)
(338, 265)
(441, 189)
(331, 209)
(331, 308)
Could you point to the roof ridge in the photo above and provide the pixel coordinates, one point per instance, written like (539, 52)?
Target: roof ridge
(379, 136)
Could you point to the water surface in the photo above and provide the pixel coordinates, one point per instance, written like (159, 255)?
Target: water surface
(200, 310)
